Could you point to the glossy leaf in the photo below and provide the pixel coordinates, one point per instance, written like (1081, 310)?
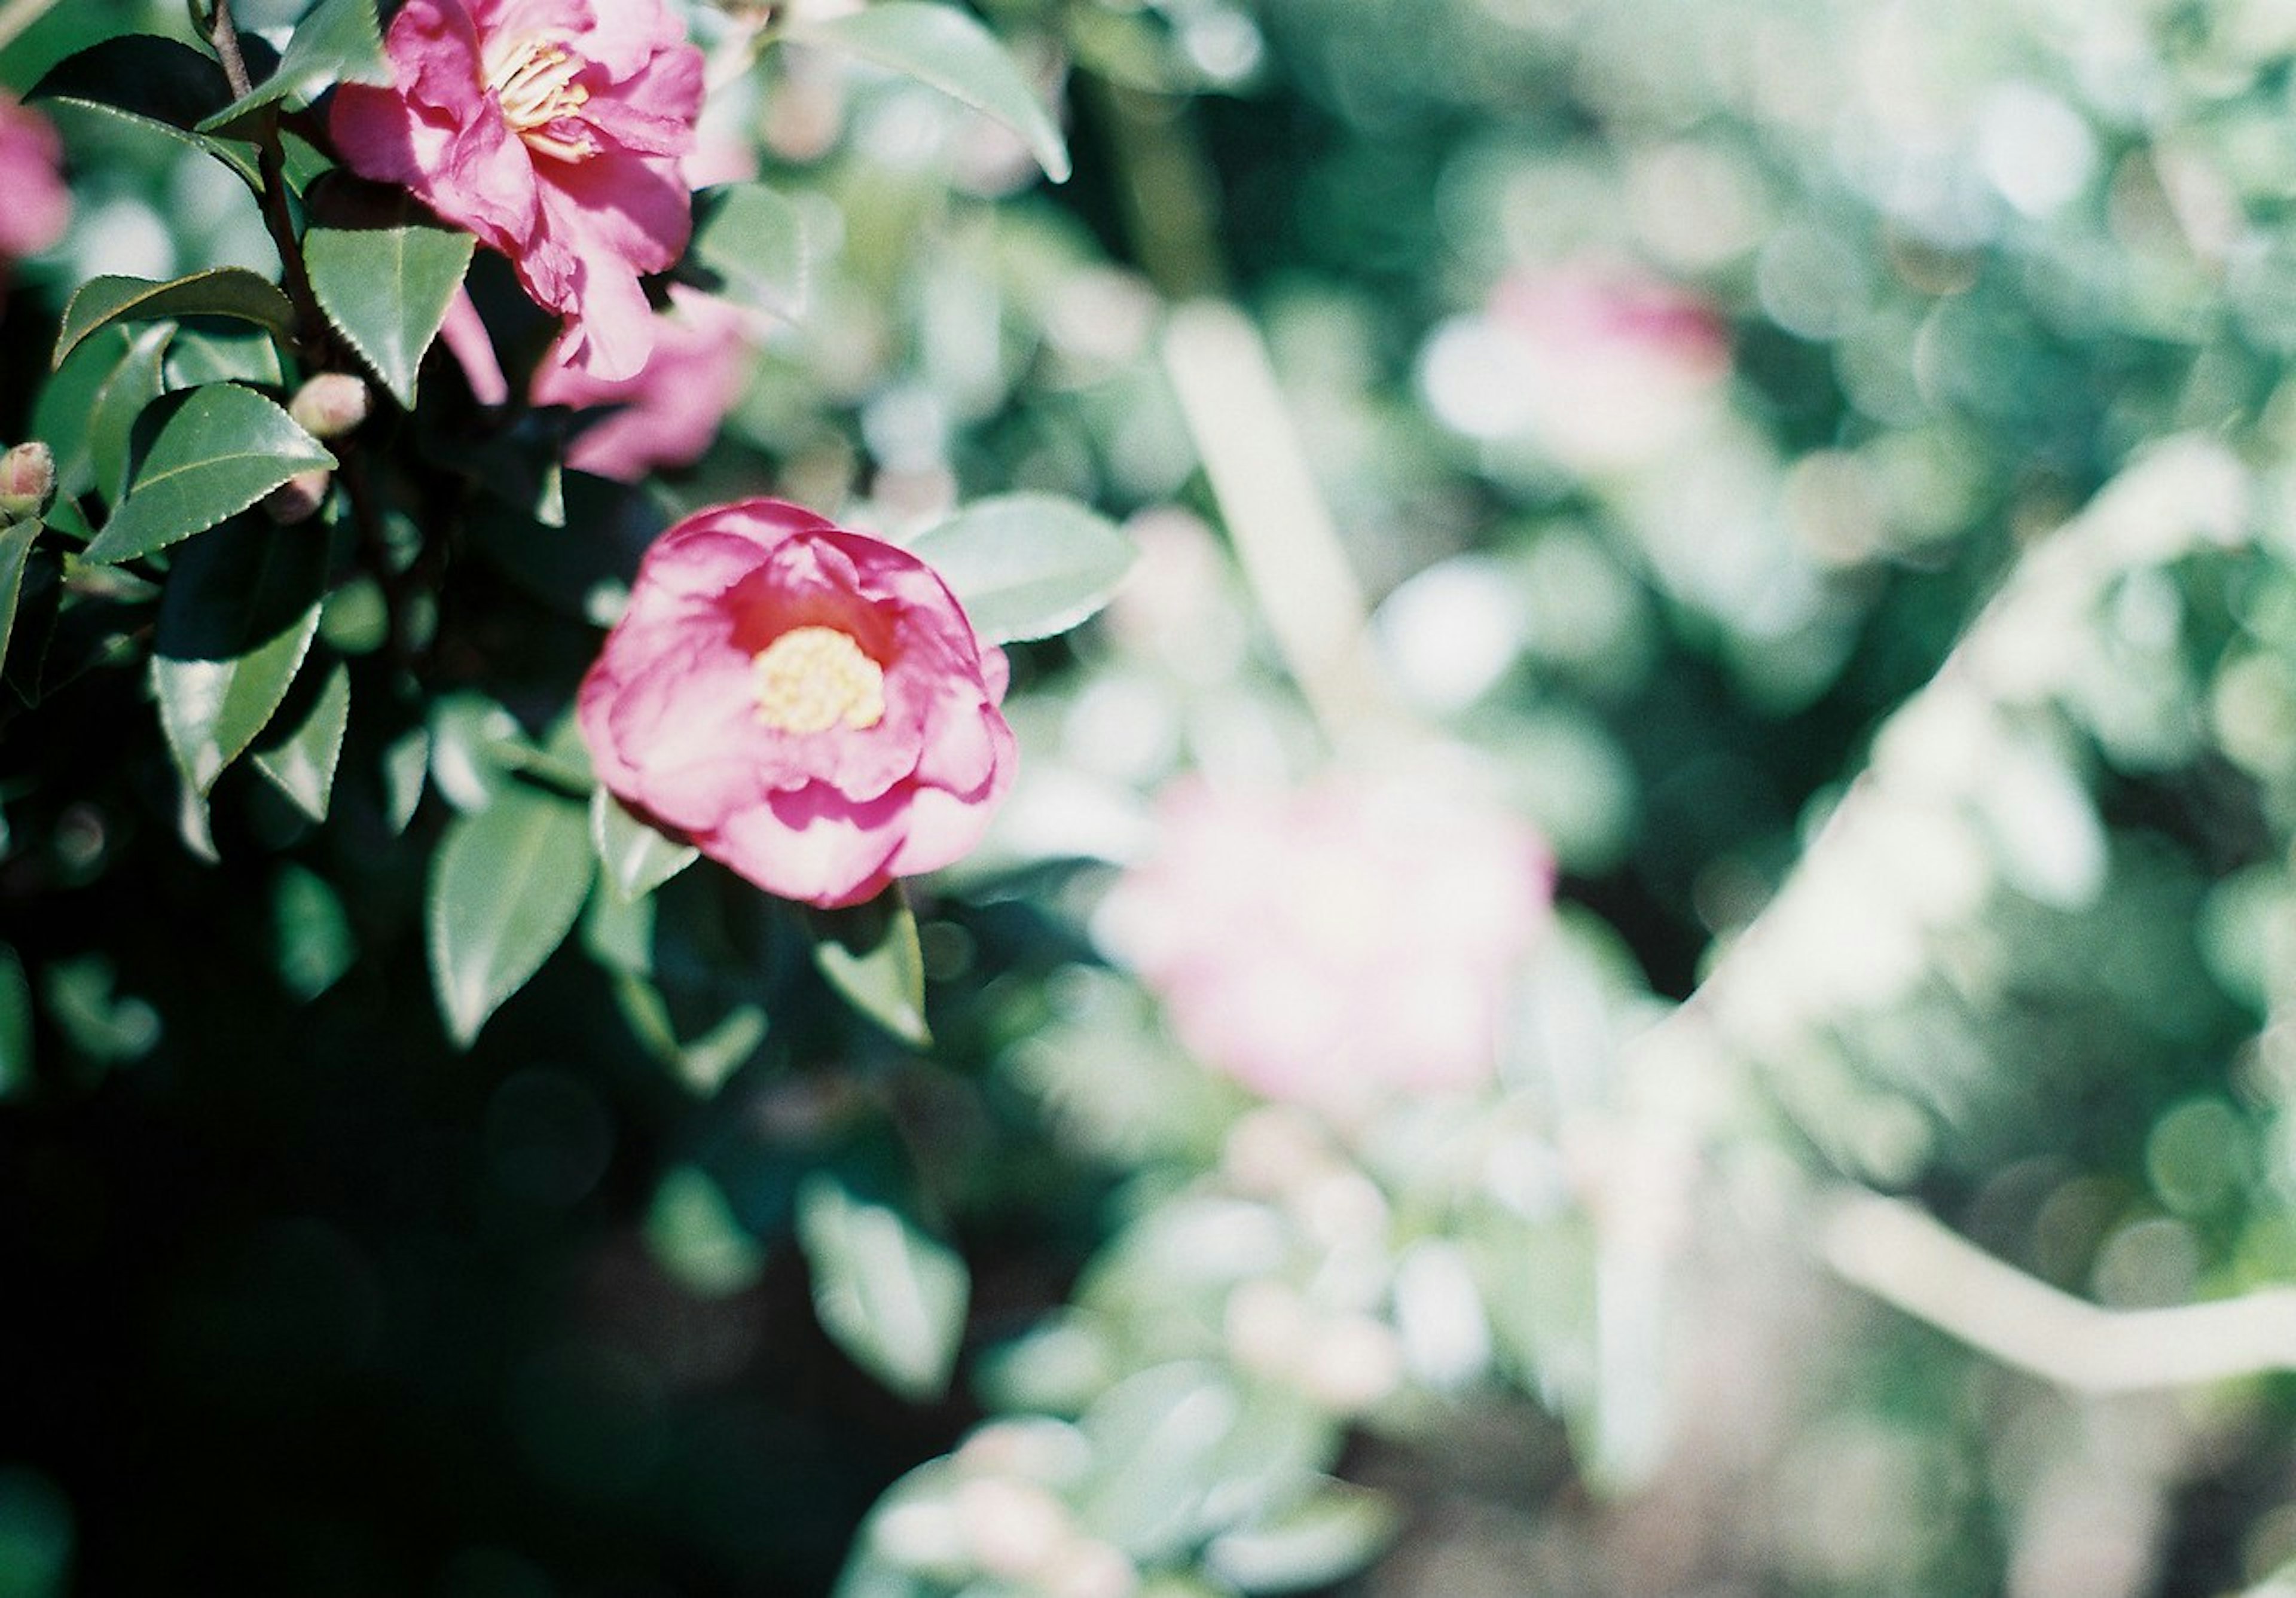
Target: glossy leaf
(238, 614)
(302, 766)
(870, 954)
(139, 379)
(506, 887)
(158, 84)
(338, 41)
(386, 289)
(226, 448)
(230, 291)
(1027, 565)
(892, 1298)
(749, 246)
(196, 358)
(638, 859)
(16, 551)
(946, 48)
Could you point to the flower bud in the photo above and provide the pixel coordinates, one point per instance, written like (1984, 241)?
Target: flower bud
(28, 481)
(330, 405)
(299, 497)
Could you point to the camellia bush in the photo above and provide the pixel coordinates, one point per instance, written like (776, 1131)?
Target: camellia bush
(1146, 798)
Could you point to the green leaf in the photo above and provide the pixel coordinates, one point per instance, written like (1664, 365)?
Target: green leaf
(226, 448)
(196, 358)
(694, 1237)
(156, 83)
(1027, 565)
(892, 1298)
(302, 764)
(312, 933)
(232, 292)
(239, 613)
(870, 954)
(139, 379)
(506, 887)
(946, 48)
(638, 859)
(750, 246)
(15, 1025)
(385, 287)
(338, 41)
(16, 551)
(1325, 1536)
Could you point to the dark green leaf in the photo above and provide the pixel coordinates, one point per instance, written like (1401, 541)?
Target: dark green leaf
(196, 358)
(154, 83)
(15, 1025)
(15, 550)
(947, 48)
(337, 41)
(226, 448)
(385, 287)
(232, 292)
(692, 1233)
(313, 936)
(240, 611)
(870, 954)
(892, 1298)
(637, 858)
(749, 246)
(1027, 565)
(138, 380)
(505, 885)
(302, 766)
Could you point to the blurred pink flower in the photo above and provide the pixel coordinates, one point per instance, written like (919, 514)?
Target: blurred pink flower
(1337, 943)
(807, 705)
(552, 129)
(39, 205)
(672, 406)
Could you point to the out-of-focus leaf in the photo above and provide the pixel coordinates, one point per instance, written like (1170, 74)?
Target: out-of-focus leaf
(749, 246)
(230, 291)
(302, 764)
(696, 1238)
(870, 954)
(155, 83)
(506, 887)
(1155, 1438)
(1332, 1533)
(1027, 565)
(637, 858)
(103, 1024)
(406, 768)
(15, 1025)
(892, 1298)
(315, 947)
(224, 449)
(386, 288)
(15, 550)
(337, 41)
(947, 48)
(240, 611)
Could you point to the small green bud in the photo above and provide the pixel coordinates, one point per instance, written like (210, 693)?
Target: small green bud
(299, 497)
(28, 481)
(330, 405)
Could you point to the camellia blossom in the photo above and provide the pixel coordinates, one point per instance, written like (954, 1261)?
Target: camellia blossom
(39, 206)
(668, 411)
(554, 130)
(805, 704)
(1334, 945)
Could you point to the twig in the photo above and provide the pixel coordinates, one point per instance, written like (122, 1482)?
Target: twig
(17, 15)
(311, 334)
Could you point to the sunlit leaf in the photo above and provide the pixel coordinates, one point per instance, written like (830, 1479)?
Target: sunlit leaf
(302, 764)
(892, 1298)
(230, 291)
(1027, 565)
(506, 887)
(227, 447)
(386, 288)
(947, 48)
(1331, 1533)
(749, 247)
(870, 954)
(337, 41)
(638, 859)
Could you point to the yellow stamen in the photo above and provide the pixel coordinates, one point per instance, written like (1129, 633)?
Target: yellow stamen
(810, 678)
(532, 78)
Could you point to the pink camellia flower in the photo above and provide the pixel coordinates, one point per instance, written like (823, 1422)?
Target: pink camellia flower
(670, 409)
(38, 204)
(552, 129)
(805, 704)
(1335, 945)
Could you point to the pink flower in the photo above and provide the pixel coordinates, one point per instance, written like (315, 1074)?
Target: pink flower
(552, 129)
(39, 205)
(805, 704)
(672, 406)
(1335, 945)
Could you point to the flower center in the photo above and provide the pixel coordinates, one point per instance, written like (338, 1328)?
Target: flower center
(532, 78)
(810, 678)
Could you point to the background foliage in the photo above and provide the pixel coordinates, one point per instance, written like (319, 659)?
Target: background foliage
(1825, 459)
